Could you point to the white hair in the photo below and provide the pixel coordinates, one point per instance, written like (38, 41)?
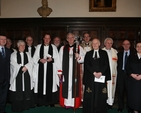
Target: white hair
(108, 38)
(20, 42)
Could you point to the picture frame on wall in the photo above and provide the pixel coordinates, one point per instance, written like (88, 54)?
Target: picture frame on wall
(102, 5)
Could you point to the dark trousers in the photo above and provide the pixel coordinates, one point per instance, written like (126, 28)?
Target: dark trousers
(3, 95)
(122, 89)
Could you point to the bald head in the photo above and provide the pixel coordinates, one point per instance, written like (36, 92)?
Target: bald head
(95, 44)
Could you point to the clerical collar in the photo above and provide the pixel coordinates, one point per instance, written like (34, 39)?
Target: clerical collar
(86, 44)
(71, 45)
(46, 45)
(108, 49)
(29, 46)
(21, 52)
(96, 50)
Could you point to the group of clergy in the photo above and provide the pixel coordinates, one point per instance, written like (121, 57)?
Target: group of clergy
(38, 73)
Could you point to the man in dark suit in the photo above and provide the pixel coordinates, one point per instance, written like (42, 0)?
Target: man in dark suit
(122, 76)
(96, 74)
(4, 72)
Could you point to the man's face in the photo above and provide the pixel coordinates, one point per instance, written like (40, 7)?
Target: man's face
(29, 41)
(46, 39)
(108, 44)
(126, 45)
(70, 39)
(56, 41)
(2, 40)
(8, 43)
(86, 38)
(95, 44)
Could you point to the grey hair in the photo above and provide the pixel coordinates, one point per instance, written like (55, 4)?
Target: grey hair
(20, 42)
(70, 34)
(108, 38)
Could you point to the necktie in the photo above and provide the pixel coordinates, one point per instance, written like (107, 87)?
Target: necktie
(3, 53)
(125, 59)
(95, 55)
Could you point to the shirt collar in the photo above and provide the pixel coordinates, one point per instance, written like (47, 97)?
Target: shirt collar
(128, 52)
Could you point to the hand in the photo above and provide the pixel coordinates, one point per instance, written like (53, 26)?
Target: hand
(49, 59)
(138, 77)
(77, 56)
(59, 75)
(97, 74)
(24, 69)
(134, 76)
(43, 61)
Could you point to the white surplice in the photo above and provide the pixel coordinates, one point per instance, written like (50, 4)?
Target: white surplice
(36, 58)
(70, 101)
(15, 67)
(111, 84)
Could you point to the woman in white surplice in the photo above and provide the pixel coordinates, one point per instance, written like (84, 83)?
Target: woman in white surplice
(21, 81)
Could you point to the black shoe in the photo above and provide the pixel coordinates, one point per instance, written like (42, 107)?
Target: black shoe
(129, 109)
(38, 105)
(120, 109)
(51, 105)
(109, 106)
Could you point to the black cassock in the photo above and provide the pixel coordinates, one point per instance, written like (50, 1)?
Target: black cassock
(95, 94)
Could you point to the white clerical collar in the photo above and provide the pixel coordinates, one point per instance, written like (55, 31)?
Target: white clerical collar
(96, 50)
(46, 45)
(97, 53)
(21, 52)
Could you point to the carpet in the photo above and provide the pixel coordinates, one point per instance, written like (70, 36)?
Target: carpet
(44, 109)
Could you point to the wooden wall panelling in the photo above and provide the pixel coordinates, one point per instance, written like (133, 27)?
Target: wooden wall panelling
(117, 28)
(95, 32)
(54, 31)
(17, 33)
(119, 34)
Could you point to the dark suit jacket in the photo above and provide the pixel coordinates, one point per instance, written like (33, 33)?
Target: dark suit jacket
(120, 61)
(5, 66)
(88, 66)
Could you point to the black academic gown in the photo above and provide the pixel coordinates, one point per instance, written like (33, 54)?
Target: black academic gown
(134, 86)
(95, 94)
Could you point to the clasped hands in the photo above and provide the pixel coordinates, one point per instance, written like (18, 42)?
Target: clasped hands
(136, 76)
(97, 74)
(49, 59)
(24, 69)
